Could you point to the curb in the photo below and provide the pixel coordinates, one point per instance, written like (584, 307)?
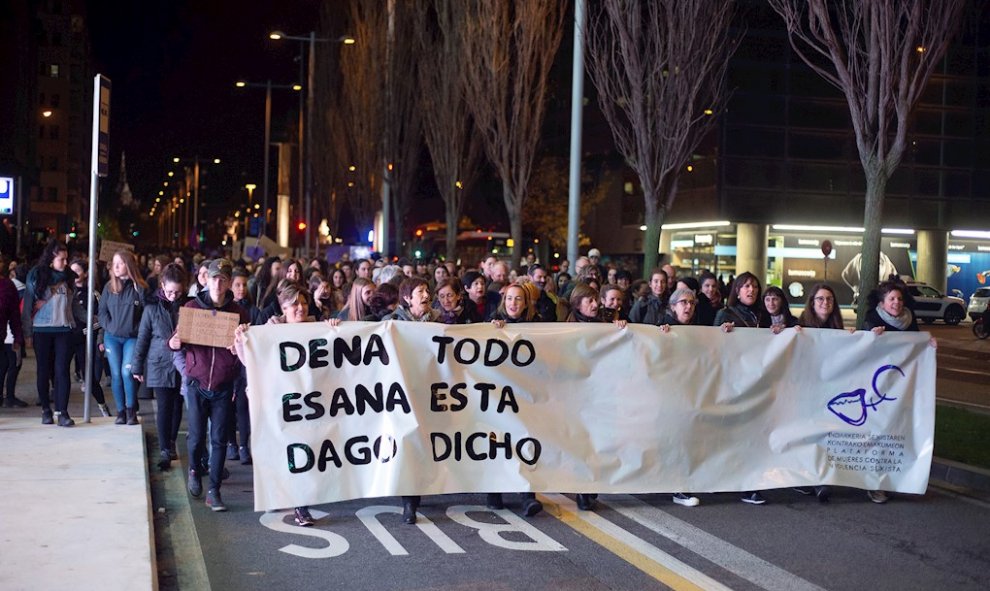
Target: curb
(961, 475)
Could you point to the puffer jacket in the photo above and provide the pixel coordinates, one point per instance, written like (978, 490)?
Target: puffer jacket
(152, 355)
(648, 311)
(739, 314)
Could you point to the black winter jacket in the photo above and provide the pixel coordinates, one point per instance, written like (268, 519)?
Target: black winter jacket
(152, 356)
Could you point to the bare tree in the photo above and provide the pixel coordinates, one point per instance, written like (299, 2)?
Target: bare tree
(548, 199)
(510, 46)
(659, 67)
(880, 55)
(448, 128)
(402, 132)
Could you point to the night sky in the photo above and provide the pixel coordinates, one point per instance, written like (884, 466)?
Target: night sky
(173, 64)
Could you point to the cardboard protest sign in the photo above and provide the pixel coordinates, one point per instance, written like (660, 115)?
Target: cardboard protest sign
(408, 408)
(108, 247)
(207, 327)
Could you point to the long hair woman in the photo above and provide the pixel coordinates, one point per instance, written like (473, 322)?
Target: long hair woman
(47, 322)
(121, 306)
(358, 300)
(777, 312)
(743, 309)
(153, 358)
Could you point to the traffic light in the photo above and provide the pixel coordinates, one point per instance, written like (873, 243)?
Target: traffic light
(301, 226)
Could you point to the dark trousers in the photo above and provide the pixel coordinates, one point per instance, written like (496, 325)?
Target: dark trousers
(8, 370)
(51, 349)
(168, 417)
(79, 355)
(239, 419)
(213, 406)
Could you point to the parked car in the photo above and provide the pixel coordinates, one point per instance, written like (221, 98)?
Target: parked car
(978, 302)
(931, 305)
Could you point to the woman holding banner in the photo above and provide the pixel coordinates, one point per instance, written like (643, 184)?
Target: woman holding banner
(820, 311)
(743, 307)
(414, 305)
(514, 308)
(585, 308)
(358, 300)
(121, 306)
(450, 303)
(778, 312)
(293, 299)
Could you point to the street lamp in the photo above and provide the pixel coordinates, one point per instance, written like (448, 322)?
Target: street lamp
(195, 160)
(268, 86)
(306, 144)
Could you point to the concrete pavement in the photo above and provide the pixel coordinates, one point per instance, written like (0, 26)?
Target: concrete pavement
(76, 510)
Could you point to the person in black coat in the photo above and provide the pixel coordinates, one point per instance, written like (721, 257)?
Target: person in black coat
(450, 303)
(704, 312)
(743, 309)
(153, 358)
(889, 310)
(776, 311)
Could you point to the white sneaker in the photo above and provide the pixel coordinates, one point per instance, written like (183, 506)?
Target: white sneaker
(683, 499)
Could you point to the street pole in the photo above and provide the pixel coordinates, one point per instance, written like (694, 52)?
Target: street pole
(577, 108)
(268, 138)
(196, 202)
(308, 175)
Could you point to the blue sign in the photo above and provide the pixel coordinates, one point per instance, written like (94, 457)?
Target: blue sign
(6, 195)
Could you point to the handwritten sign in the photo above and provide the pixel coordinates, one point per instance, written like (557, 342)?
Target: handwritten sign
(108, 247)
(207, 327)
(409, 408)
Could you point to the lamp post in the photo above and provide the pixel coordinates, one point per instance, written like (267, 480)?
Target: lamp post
(268, 86)
(195, 161)
(305, 144)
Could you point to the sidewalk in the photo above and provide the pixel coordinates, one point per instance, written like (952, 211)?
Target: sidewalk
(77, 511)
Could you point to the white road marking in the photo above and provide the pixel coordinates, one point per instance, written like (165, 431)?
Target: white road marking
(732, 558)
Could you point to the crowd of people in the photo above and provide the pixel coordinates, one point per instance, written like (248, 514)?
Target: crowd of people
(44, 308)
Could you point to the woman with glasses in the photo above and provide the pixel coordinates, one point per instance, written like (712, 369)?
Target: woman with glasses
(681, 312)
(158, 324)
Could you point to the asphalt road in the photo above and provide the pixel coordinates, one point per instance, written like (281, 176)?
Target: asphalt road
(631, 542)
(639, 542)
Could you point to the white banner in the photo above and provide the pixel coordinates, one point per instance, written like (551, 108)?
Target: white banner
(406, 408)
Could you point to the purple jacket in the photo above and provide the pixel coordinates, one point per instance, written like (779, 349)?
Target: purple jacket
(213, 367)
(10, 311)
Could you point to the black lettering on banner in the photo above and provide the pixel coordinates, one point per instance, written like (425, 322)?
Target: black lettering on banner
(316, 408)
(492, 358)
(529, 348)
(494, 444)
(537, 450)
(459, 351)
(452, 446)
(484, 389)
(469, 445)
(436, 396)
(288, 407)
(376, 348)
(341, 352)
(442, 341)
(397, 397)
(393, 449)
(317, 352)
(290, 451)
(508, 399)
(284, 348)
(365, 453)
(328, 453)
(365, 398)
(341, 401)
(443, 439)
